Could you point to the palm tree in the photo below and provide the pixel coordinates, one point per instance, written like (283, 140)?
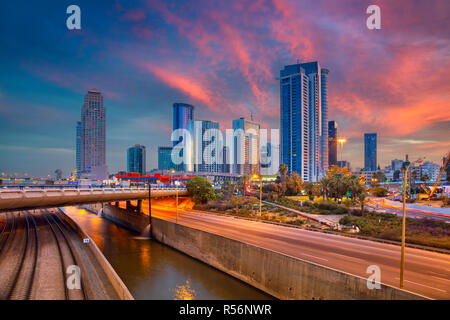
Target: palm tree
(283, 173)
(425, 178)
(361, 198)
(325, 183)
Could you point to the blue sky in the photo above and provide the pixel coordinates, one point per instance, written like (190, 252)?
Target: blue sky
(222, 57)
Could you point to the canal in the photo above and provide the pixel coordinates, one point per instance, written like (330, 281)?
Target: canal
(152, 270)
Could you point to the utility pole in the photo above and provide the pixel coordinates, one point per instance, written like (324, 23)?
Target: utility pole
(150, 206)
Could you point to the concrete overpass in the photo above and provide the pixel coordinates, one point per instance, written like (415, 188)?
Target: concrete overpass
(23, 199)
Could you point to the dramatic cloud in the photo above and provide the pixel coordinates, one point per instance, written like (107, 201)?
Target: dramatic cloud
(223, 57)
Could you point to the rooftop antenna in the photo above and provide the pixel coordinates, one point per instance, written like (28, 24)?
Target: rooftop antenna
(251, 115)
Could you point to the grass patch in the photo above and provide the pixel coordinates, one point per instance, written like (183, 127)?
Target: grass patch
(425, 232)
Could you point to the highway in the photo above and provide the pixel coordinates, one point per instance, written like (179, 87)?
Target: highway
(36, 249)
(410, 213)
(427, 273)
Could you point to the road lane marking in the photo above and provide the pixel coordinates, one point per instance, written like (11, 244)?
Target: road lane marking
(423, 285)
(305, 254)
(441, 278)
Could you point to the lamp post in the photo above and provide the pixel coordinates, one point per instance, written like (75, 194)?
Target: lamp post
(341, 142)
(406, 166)
(256, 176)
(150, 204)
(176, 218)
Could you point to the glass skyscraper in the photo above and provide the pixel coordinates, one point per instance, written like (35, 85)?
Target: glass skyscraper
(332, 143)
(370, 151)
(182, 113)
(93, 137)
(78, 151)
(136, 159)
(246, 146)
(165, 158)
(304, 119)
(204, 156)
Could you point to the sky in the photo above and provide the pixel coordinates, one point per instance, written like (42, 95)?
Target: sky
(223, 58)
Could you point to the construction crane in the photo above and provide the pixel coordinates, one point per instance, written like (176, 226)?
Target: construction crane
(436, 183)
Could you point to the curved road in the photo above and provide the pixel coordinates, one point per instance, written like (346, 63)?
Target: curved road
(427, 273)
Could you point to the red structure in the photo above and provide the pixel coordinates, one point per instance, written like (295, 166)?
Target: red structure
(155, 178)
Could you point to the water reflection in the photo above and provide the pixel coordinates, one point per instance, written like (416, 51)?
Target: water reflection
(184, 292)
(151, 270)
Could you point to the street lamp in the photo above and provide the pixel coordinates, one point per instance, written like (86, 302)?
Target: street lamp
(406, 166)
(256, 176)
(176, 184)
(341, 142)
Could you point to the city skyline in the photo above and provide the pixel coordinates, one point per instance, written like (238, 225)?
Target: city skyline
(225, 73)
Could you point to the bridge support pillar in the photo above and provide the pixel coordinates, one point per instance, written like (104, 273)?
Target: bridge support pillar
(129, 206)
(139, 206)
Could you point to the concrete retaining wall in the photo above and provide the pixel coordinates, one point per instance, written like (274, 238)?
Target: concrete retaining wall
(137, 222)
(113, 277)
(277, 274)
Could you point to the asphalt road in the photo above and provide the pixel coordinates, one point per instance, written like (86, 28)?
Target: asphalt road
(410, 213)
(427, 273)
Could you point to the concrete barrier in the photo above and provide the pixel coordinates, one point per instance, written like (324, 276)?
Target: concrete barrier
(113, 277)
(280, 275)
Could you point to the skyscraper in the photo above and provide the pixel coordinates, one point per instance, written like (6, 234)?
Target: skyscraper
(182, 113)
(93, 137)
(78, 151)
(136, 159)
(370, 151)
(165, 158)
(205, 149)
(246, 146)
(332, 143)
(304, 119)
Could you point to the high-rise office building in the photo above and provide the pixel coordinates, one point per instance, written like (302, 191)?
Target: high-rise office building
(136, 159)
(370, 151)
(165, 158)
(93, 137)
(332, 143)
(304, 119)
(205, 148)
(78, 150)
(246, 146)
(182, 113)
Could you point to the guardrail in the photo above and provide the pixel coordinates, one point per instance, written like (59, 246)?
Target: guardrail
(11, 199)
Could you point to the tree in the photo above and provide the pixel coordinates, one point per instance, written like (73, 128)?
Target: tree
(252, 201)
(243, 183)
(324, 184)
(200, 189)
(348, 203)
(294, 184)
(425, 178)
(283, 173)
(361, 198)
(396, 175)
(380, 176)
(227, 188)
(236, 200)
(354, 185)
(311, 189)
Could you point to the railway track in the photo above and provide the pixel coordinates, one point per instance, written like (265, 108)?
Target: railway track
(25, 247)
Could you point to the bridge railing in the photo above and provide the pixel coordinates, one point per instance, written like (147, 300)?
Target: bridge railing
(36, 197)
